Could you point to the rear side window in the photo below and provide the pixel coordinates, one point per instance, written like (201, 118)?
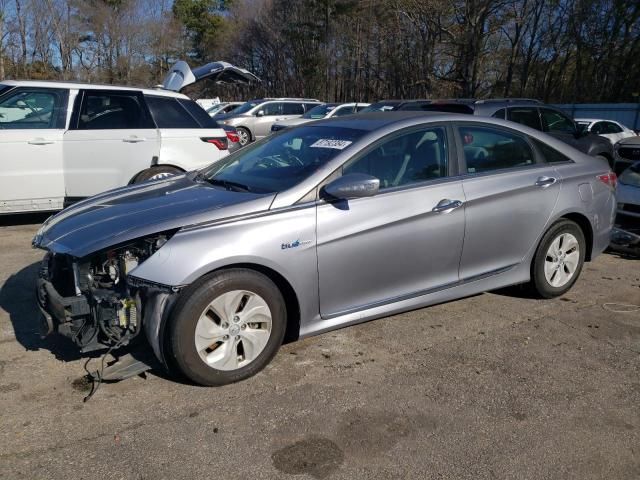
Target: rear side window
(292, 109)
(115, 110)
(487, 149)
(198, 113)
(526, 116)
(550, 154)
(29, 108)
(271, 109)
(556, 122)
(168, 113)
(343, 111)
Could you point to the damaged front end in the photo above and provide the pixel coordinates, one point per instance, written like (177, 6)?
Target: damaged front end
(95, 301)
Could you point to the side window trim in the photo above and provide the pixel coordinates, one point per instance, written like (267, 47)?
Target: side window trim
(538, 159)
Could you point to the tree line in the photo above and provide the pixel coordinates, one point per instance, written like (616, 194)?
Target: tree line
(560, 51)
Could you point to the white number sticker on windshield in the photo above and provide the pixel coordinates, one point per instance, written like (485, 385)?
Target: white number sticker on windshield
(337, 144)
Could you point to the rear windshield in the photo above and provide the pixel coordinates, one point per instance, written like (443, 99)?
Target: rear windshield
(281, 161)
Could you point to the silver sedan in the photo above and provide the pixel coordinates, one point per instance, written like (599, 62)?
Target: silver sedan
(319, 227)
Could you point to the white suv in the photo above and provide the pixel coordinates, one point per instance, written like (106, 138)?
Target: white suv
(60, 142)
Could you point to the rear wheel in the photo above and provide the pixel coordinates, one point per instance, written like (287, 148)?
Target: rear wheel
(558, 260)
(227, 327)
(244, 136)
(156, 173)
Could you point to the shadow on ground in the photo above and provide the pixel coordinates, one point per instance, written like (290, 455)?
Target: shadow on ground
(24, 219)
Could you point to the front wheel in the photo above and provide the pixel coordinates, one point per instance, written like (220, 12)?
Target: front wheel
(558, 260)
(244, 136)
(226, 327)
(156, 173)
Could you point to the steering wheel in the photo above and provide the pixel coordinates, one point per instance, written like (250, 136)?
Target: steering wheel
(481, 153)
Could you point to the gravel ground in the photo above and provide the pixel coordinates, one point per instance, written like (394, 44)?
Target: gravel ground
(497, 386)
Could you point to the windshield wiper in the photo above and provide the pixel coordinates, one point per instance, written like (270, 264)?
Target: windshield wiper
(229, 185)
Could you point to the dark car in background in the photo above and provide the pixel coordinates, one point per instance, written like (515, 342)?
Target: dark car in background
(531, 113)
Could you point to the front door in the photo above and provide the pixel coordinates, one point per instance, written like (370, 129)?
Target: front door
(266, 116)
(509, 199)
(111, 139)
(32, 122)
(402, 242)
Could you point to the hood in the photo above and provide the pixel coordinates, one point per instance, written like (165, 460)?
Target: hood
(181, 75)
(631, 141)
(124, 214)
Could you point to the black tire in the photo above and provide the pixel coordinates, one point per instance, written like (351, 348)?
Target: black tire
(147, 174)
(192, 302)
(539, 283)
(245, 136)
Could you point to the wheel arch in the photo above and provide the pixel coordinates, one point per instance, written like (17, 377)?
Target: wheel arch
(252, 137)
(583, 223)
(157, 165)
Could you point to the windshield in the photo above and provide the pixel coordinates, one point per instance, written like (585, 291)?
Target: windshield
(380, 107)
(215, 108)
(320, 111)
(246, 106)
(281, 161)
(631, 176)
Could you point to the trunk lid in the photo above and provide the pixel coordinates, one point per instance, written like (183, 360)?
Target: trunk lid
(182, 75)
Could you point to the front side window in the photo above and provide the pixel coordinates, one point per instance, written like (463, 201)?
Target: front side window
(33, 109)
(526, 116)
(487, 149)
(405, 159)
(281, 161)
(168, 113)
(271, 109)
(112, 111)
(556, 122)
(292, 109)
(598, 128)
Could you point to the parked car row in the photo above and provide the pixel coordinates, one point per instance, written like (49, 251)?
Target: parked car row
(61, 141)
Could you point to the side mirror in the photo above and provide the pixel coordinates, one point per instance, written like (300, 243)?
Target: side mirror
(353, 185)
(260, 113)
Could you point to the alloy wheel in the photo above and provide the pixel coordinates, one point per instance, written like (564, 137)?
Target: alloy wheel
(562, 260)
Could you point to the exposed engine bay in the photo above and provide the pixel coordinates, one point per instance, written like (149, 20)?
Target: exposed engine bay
(92, 300)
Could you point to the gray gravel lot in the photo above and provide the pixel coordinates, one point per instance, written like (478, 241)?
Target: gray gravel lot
(496, 386)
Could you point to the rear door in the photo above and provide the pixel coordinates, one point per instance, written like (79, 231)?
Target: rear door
(510, 195)
(402, 242)
(110, 140)
(32, 122)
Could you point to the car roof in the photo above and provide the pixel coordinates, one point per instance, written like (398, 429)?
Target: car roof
(370, 121)
(88, 86)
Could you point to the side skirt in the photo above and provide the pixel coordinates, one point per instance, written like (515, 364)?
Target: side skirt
(513, 276)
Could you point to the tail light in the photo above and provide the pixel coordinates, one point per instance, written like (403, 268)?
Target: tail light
(220, 142)
(233, 136)
(610, 179)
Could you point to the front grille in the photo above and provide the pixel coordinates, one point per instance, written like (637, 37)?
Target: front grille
(629, 153)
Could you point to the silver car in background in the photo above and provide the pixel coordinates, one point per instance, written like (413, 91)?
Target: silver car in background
(326, 110)
(319, 227)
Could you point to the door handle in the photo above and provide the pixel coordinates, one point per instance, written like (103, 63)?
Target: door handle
(446, 205)
(133, 139)
(545, 182)
(40, 141)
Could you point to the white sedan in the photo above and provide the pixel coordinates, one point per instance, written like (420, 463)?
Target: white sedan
(610, 129)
